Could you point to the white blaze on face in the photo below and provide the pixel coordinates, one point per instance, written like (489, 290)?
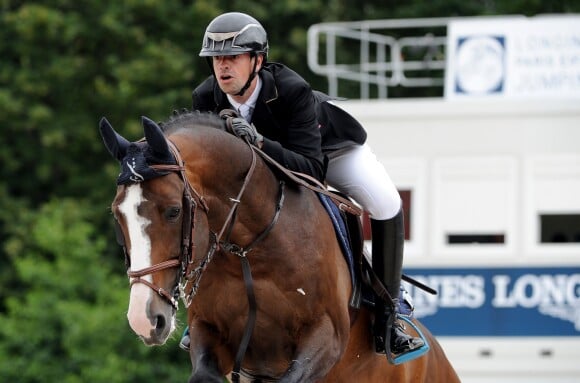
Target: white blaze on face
(140, 259)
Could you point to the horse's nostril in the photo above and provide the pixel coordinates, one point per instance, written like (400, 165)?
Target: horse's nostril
(160, 322)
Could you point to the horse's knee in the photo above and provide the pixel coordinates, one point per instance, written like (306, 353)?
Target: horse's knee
(205, 370)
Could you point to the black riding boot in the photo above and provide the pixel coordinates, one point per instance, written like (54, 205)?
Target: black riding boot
(388, 239)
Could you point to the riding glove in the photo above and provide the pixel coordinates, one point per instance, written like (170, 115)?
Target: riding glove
(246, 131)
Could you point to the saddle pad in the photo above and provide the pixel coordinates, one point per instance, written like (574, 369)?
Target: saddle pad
(341, 232)
(405, 303)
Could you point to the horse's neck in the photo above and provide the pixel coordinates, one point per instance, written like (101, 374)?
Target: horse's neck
(212, 157)
(220, 169)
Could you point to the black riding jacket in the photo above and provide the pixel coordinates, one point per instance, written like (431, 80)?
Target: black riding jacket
(297, 123)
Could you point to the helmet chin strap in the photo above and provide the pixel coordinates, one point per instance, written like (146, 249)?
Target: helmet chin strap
(250, 78)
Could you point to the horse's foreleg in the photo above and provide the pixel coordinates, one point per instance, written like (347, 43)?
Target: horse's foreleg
(317, 351)
(204, 359)
(205, 370)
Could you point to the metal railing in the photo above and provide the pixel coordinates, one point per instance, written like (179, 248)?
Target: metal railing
(394, 52)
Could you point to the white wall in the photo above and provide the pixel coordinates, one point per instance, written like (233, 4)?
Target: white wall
(416, 127)
(505, 160)
(512, 160)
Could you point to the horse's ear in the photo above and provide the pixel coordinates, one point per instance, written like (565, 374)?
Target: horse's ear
(155, 138)
(115, 144)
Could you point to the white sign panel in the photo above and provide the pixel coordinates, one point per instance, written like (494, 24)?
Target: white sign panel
(513, 58)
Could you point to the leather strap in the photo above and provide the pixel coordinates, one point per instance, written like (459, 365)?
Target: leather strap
(300, 178)
(250, 324)
(312, 184)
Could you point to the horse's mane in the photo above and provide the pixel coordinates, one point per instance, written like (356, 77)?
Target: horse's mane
(187, 119)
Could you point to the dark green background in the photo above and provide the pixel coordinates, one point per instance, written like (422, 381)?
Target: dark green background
(63, 65)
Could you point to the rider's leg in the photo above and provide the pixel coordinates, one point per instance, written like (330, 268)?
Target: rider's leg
(356, 171)
(388, 238)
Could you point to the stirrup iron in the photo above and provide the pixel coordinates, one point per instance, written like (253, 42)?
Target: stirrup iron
(409, 355)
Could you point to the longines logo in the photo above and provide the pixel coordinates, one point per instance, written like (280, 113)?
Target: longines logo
(555, 295)
(480, 65)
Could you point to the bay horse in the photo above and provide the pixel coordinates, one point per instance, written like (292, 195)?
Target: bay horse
(254, 257)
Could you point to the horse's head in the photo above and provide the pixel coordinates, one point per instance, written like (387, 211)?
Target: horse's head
(153, 210)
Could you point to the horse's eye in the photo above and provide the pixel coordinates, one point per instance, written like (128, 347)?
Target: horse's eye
(172, 213)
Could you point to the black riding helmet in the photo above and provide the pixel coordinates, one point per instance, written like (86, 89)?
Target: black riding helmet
(232, 34)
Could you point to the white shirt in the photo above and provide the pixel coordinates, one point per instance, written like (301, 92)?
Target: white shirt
(246, 109)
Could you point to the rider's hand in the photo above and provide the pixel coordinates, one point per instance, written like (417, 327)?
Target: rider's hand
(228, 113)
(246, 131)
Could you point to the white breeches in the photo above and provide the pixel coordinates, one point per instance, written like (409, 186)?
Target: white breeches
(357, 172)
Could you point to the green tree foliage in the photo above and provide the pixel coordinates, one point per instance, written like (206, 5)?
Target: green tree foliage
(63, 65)
(58, 326)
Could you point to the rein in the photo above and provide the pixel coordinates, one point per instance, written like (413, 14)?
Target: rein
(193, 277)
(313, 184)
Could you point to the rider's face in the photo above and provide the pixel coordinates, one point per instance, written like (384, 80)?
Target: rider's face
(232, 72)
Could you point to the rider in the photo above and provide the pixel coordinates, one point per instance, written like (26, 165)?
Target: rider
(302, 129)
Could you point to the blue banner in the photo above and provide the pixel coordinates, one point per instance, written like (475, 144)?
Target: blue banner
(498, 301)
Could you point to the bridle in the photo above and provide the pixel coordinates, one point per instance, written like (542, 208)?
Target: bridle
(191, 199)
(190, 273)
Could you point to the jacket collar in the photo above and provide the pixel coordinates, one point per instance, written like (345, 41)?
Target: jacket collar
(269, 91)
(219, 97)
